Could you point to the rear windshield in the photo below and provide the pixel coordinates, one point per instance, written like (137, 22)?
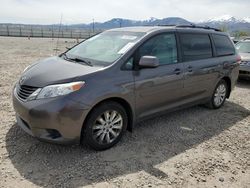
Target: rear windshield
(223, 45)
(243, 47)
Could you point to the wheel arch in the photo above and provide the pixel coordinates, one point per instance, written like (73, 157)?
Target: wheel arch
(229, 84)
(127, 107)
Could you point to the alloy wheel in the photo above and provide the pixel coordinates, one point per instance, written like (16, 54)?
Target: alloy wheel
(107, 127)
(220, 95)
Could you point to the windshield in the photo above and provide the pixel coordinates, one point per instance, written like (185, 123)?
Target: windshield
(105, 48)
(243, 47)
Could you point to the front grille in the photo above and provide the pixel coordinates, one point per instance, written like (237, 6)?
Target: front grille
(24, 91)
(245, 63)
(244, 72)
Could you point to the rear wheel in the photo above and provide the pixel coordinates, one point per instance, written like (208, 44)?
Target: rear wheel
(219, 95)
(105, 126)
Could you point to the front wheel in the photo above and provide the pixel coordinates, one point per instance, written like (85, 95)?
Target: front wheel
(105, 126)
(219, 95)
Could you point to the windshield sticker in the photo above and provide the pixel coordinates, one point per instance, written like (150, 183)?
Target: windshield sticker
(126, 48)
(129, 37)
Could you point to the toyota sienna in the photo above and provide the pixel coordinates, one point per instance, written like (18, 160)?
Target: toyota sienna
(100, 88)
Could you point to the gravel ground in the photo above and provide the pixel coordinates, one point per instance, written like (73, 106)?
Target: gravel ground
(194, 147)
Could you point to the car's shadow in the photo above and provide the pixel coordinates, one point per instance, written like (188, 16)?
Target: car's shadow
(152, 142)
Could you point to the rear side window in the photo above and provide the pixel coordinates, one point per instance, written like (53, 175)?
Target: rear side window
(223, 45)
(196, 46)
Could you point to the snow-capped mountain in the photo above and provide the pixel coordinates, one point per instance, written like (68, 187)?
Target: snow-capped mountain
(247, 19)
(120, 22)
(229, 18)
(228, 22)
(224, 18)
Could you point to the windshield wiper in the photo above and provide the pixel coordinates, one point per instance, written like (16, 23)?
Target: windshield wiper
(76, 59)
(81, 61)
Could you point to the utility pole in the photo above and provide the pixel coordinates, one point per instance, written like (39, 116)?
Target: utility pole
(93, 25)
(31, 31)
(8, 31)
(120, 22)
(42, 31)
(52, 31)
(57, 42)
(20, 30)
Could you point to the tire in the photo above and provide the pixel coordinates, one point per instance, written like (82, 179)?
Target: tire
(219, 95)
(100, 131)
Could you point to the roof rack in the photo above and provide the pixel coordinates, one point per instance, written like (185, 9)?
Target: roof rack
(165, 25)
(198, 27)
(195, 26)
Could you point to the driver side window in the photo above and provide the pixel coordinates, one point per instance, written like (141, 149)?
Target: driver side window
(162, 46)
(129, 64)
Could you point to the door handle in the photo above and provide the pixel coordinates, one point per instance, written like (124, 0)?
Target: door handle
(190, 69)
(177, 71)
(226, 64)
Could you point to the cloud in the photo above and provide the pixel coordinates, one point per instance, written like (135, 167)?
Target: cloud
(79, 11)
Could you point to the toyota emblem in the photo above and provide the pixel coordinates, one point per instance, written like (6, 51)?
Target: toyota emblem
(22, 79)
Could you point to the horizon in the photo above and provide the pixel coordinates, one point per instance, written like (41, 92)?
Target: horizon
(46, 12)
(151, 18)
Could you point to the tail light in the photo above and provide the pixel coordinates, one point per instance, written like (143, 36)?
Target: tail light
(238, 59)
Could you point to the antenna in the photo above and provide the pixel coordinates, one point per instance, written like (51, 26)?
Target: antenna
(58, 36)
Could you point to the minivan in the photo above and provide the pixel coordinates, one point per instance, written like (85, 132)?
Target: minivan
(243, 48)
(95, 91)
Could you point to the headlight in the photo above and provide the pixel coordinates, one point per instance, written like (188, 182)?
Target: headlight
(56, 90)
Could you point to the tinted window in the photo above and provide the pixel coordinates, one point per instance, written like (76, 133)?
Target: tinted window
(195, 46)
(223, 45)
(162, 46)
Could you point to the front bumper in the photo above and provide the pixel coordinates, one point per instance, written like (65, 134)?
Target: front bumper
(244, 71)
(57, 120)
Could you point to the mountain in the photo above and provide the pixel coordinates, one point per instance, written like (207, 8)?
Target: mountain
(229, 23)
(119, 22)
(225, 22)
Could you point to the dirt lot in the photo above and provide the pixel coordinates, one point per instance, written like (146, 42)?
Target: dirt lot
(195, 147)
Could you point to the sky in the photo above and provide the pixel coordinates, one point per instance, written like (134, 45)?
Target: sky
(84, 11)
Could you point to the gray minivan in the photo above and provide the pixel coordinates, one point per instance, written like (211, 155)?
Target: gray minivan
(101, 87)
(243, 48)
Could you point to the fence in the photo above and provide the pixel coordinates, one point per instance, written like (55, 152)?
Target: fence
(45, 31)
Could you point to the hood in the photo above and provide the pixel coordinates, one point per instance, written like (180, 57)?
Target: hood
(54, 70)
(245, 56)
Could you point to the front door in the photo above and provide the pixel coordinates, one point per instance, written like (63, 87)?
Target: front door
(160, 88)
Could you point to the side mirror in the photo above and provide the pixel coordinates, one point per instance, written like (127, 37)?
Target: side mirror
(149, 62)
